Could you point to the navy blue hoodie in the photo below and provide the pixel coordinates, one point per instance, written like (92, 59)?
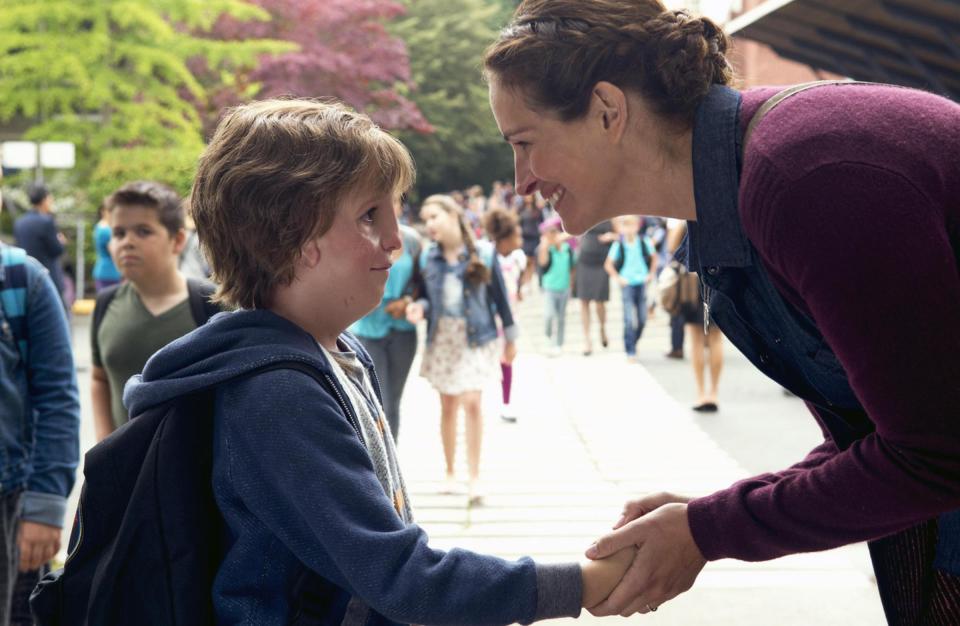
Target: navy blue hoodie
(309, 529)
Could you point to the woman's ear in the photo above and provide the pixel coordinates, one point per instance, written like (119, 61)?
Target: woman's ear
(608, 105)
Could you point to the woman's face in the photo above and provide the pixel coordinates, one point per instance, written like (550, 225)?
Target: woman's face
(570, 163)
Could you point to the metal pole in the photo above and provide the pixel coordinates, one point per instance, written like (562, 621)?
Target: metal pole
(81, 260)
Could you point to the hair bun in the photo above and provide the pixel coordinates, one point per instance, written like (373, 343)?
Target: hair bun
(685, 56)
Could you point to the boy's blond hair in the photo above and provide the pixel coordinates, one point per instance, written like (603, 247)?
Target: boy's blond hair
(273, 177)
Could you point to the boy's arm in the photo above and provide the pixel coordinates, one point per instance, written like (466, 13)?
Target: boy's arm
(543, 252)
(498, 292)
(608, 265)
(602, 576)
(55, 402)
(281, 430)
(100, 399)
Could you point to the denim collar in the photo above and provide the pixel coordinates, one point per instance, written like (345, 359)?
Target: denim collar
(716, 184)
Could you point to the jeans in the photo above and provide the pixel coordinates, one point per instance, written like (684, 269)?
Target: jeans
(555, 303)
(634, 316)
(392, 357)
(9, 555)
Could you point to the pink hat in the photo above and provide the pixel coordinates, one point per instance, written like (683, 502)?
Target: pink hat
(551, 223)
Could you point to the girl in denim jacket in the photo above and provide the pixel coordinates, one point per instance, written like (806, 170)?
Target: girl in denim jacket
(463, 290)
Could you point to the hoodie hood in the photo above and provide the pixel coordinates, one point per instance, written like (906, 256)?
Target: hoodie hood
(229, 345)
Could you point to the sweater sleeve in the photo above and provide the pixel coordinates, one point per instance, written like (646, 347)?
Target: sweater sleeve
(311, 482)
(869, 256)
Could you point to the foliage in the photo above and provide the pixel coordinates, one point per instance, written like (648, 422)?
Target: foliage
(344, 51)
(446, 40)
(111, 76)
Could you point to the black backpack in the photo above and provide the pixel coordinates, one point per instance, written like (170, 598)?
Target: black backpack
(622, 254)
(199, 293)
(147, 536)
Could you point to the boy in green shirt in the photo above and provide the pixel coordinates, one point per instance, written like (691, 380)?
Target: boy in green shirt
(151, 307)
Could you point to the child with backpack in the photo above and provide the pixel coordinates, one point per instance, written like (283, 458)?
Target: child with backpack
(155, 305)
(631, 262)
(555, 258)
(312, 522)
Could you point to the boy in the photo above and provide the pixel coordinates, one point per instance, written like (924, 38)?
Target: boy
(39, 425)
(155, 305)
(555, 258)
(631, 261)
(293, 200)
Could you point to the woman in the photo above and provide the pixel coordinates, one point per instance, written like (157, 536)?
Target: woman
(463, 290)
(531, 216)
(592, 283)
(807, 267)
(105, 272)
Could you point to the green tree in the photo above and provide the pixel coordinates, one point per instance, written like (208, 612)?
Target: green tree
(112, 76)
(446, 40)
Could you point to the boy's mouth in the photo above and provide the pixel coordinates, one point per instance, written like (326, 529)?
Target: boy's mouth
(385, 268)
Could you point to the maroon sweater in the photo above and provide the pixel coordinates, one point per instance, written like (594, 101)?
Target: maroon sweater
(851, 196)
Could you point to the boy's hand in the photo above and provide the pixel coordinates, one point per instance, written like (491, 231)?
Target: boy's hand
(602, 576)
(414, 312)
(623, 281)
(509, 353)
(38, 544)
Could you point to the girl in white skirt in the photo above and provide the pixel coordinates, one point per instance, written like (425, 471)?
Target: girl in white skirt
(464, 290)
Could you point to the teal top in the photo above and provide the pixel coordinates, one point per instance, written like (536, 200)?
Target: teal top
(104, 268)
(377, 324)
(557, 278)
(634, 268)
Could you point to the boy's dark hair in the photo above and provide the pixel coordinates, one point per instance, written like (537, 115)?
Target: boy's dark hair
(151, 195)
(272, 178)
(37, 193)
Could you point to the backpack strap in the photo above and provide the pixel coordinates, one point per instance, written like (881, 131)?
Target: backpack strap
(783, 95)
(104, 298)
(199, 293)
(13, 295)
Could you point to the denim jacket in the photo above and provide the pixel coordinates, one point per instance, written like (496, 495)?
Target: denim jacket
(782, 342)
(480, 303)
(39, 403)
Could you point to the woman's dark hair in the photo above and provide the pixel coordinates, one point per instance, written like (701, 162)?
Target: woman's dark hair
(556, 51)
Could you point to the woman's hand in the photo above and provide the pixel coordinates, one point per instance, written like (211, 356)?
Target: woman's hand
(414, 312)
(668, 560)
(509, 353)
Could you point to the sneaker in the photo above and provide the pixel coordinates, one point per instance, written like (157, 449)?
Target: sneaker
(554, 351)
(674, 354)
(508, 416)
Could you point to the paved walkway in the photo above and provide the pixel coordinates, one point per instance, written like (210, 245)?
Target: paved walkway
(593, 433)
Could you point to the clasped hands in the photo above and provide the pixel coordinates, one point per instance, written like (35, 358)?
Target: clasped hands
(652, 554)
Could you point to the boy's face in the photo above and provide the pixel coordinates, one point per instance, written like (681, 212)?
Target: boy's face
(141, 246)
(628, 225)
(354, 256)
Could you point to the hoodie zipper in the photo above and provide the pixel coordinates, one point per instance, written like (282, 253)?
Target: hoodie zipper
(346, 408)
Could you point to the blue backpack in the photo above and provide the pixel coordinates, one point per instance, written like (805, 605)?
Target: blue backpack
(13, 296)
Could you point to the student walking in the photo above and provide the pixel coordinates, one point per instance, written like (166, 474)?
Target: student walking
(591, 283)
(632, 260)
(503, 229)
(463, 289)
(555, 258)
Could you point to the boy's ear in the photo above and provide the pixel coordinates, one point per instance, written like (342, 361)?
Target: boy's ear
(179, 241)
(310, 253)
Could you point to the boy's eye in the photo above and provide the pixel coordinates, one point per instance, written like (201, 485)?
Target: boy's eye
(370, 214)
(143, 232)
